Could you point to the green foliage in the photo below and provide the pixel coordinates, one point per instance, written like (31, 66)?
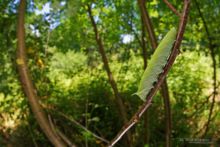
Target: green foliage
(63, 66)
(186, 95)
(69, 76)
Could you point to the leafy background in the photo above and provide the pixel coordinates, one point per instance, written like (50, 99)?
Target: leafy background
(70, 79)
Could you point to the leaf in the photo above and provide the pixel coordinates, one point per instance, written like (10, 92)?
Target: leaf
(156, 64)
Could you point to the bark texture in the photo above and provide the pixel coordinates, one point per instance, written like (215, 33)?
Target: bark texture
(27, 84)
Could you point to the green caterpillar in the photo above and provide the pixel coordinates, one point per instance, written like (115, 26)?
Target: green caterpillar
(156, 64)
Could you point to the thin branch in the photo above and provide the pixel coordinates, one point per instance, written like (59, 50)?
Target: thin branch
(171, 60)
(205, 125)
(137, 37)
(61, 135)
(168, 118)
(172, 8)
(199, 107)
(143, 41)
(164, 87)
(84, 128)
(26, 81)
(148, 24)
(68, 142)
(118, 99)
(212, 52)
(106, 65)
(78, 124)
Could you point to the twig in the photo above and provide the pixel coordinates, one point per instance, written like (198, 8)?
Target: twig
(84, 128)
(26, 81)
(70, 144)
(143, 41)
(201, 129)
(79, 125)
(146, 22)
(118, 100)
(61, 135)
(198, 107)
(171, 60)
(172, 8)
(211, 48)
(106, 65)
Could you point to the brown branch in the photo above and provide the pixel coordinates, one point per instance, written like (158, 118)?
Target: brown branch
(200, 106)
(199, 109)
(212, 52)
(84, 128)
(64, 137)
(204, 127)
(118, 99)
(52, 110)
(147, 23)
(172, 8)
(143, 41)
(164, 88)
(168, 118)
(68, 142)
(171, 60)
(27, 84)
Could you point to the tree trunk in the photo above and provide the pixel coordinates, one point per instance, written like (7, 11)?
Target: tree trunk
(118, 99)
(27, 84)
(164, 88)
